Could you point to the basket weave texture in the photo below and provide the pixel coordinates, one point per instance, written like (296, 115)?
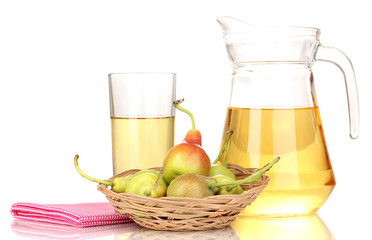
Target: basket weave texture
(185, 214)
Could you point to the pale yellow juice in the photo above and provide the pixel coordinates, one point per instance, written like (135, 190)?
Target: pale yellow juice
(303, 179)
(140, 143)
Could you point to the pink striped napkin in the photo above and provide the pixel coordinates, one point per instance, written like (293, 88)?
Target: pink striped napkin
(77, 215)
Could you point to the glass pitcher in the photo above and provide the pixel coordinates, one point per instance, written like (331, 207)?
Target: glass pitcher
(273, 111)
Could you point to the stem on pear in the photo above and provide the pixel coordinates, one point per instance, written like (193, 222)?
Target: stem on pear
(148, 191)
(227, 141)
(176, 105)
(88, 177)
(227, 153)
(255, 176)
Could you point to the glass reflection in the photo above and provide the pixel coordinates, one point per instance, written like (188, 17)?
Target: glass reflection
(143, 233)
(40, 230)
(301, 228)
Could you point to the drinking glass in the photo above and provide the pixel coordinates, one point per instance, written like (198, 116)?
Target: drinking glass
(142, 119)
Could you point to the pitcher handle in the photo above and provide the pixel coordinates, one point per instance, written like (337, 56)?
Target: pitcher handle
(339, 58)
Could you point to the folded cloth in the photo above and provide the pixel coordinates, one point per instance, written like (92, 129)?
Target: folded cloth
(77, 215)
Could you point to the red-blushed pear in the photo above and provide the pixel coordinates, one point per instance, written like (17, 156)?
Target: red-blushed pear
(188, 156)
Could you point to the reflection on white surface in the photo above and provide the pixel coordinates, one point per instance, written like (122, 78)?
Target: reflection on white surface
(40, 230)
(143, 233)
(301, 228)
(304, 228)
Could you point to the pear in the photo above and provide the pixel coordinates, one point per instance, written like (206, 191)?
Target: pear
(188, 156)
(148, 183)
(219, 169)
(224, 190)
(196, 186)
(192, 185)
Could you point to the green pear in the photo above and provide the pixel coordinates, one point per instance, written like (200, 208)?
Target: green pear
(117, 185)
(148, 184)
(192, 185)
(120, 183)
(223, 190)
(219, 169)
(196, 186)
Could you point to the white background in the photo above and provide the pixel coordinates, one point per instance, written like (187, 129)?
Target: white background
(54, 103)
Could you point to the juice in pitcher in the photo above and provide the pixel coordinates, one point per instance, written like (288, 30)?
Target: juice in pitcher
(303, 179)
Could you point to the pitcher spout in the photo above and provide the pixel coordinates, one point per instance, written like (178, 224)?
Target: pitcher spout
(230, 24)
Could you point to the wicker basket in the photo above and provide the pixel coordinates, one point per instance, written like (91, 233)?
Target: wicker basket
(185, 214)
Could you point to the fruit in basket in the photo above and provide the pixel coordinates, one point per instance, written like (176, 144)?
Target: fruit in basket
(149, 183)
(192, 185)
(188, 156)
(226, 179)
(146, 182)
(117, 185)
(185, 158)
(227, 187)
(197, 186)
(219, 169)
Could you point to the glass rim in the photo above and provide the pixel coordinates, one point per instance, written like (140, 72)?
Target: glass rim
(142, 73)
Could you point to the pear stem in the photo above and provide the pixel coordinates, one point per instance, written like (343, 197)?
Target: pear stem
(88, 177)
(148, 191)
(176, 105)
(227, 141)
(255, 176)
(227, 153)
